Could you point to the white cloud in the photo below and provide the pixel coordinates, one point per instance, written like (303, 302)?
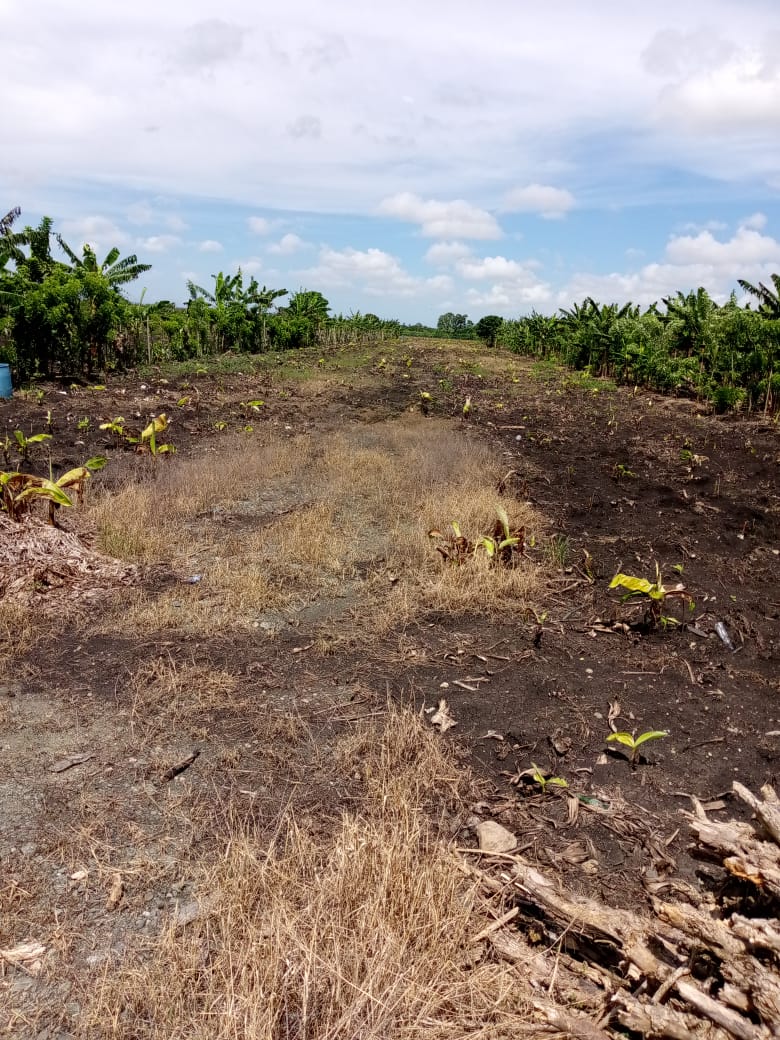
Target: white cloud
(260, 225)
(745, 248)
(549, 202)
(287, 245)
(497, 268)
(455, 219)
(516, 286)
(689, 261)
(374, 271)
(210, 245)
(442, 254)
(208, 43)
(100, 232)
(305, 126)
(158, 243)
(755, 220)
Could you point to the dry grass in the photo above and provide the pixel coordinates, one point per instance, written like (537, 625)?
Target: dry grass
(164, 693)
(18, 633)
(364, 933)
(345, 516)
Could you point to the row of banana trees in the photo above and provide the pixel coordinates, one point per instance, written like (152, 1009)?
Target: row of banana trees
(729, 354)
(67, 314)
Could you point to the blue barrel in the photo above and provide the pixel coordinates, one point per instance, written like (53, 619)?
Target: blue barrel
(6, 387)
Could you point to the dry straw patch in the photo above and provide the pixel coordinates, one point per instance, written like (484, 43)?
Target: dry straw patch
(363, 934)
(164, 693)
(347, 514)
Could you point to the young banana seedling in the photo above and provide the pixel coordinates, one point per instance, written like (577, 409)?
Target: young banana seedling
(655, 593)
(23, 443)
(544, 782)
(158, 425)
(503, 545)
(635, 743)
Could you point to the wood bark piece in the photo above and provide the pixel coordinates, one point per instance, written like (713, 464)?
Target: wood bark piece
(758, 934)
(657, 1020)
(642, 966)
(575, 1026)
(767, 811)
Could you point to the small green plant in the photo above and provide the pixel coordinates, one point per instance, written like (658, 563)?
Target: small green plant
(84, 424)
(158, 425)
(558, 550)
(426, 402)
(635, 743)
(622, 472)
(467, 408)
(23, 443)
(655, 594)
(251, 406)
(503, 545)
(547, 781)
(220, 425)
(49, 422)
(116, 427)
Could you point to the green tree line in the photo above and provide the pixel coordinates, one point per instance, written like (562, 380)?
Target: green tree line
(725, 354)
(67, 314)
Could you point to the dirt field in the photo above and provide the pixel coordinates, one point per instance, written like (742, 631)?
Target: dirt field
(236, 649)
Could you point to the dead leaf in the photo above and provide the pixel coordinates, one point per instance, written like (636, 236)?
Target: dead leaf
(614, 713)
(442, 717)
(576, 853)
(492, 735)
(26, 956)
(80, 875)
(116, 892)
(561, 745)
(493, 837)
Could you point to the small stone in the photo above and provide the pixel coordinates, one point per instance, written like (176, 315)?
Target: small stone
(493, 837)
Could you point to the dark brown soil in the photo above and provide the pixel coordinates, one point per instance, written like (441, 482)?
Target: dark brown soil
(624, 480)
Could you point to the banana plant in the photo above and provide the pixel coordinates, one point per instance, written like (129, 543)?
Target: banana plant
(545, 781)
(655, 592)
(158, 425)
(20, 490)
(634, 743)
(116, 427)
(23, 443)
(503, 545)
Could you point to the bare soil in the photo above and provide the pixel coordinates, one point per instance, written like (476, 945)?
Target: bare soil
(99, 833)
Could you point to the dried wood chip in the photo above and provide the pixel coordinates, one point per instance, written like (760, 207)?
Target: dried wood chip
(115, 892)
(70, 762)
(442, 717)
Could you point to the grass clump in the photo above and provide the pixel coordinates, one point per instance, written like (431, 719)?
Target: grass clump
(357, 930)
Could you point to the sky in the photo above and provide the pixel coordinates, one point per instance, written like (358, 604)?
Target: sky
(404, 159)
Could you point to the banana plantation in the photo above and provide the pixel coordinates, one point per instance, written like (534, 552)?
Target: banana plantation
(692, 347)
(68, 315)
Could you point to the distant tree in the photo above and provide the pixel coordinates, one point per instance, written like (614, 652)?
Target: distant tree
(487, 328)
(452, 324)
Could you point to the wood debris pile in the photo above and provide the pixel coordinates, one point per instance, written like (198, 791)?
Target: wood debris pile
(697, 967)
(38, 561)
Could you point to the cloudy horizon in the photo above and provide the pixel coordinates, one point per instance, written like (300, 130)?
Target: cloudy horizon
(409, 160)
